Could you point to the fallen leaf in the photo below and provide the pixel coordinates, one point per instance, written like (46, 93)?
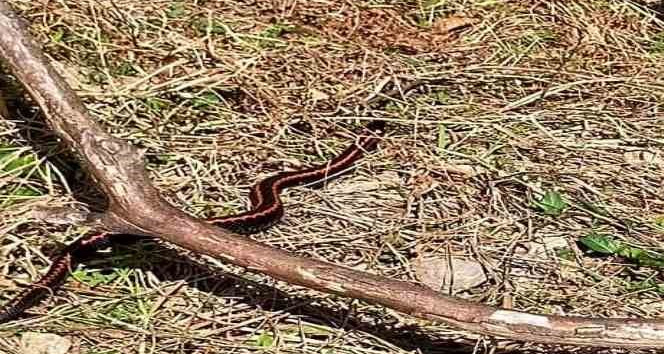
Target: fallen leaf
(59, 215)
(318, 95)
(436, 273)
(448, 24)
(420, 183)
(546, 249)
(44, 343)
(464, 169)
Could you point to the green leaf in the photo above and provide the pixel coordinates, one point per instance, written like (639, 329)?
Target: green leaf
(659, 222)
(648, 284)
(203, 25)
(552, 203)
(128, 311)
(57, 35)
(21, 192)
(277, 30)
(205, 100)
(18, 194)
(641, 257)
(94, 278)
(605, 244)
(657, 44)
(265, 340)
(176, 10)
(594, 208)
(565, 253)
(156, 104)
(442, 96)
(12, 160)
(600, 243)
(126, 68)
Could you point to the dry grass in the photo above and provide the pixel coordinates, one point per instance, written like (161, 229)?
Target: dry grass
(541, 96)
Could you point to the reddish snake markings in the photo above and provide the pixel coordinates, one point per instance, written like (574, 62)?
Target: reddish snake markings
(266, 210)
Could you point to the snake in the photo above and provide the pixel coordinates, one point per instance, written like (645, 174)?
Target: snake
(266, 210)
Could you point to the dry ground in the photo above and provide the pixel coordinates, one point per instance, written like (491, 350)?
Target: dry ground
(540, 98)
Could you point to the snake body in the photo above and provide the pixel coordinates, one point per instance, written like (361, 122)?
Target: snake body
(266, 210)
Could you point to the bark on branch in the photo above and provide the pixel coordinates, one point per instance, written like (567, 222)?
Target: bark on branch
(135, 206)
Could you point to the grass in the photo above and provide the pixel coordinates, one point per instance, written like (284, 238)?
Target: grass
(548, 129)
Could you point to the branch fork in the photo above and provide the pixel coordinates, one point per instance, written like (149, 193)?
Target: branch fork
(136, 207)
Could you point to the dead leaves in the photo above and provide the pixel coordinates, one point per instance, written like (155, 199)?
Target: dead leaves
(44, 343)
(384, 29)
(644, 158)
(447, 25)
(449, 275)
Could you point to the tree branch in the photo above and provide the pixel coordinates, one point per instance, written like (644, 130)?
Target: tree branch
(135, 206)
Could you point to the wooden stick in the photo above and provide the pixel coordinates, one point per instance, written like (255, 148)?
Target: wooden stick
(135, 206)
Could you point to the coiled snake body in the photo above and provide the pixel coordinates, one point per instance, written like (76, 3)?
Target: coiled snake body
(266, 210)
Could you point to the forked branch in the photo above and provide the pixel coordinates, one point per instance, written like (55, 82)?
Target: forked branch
(135, 206)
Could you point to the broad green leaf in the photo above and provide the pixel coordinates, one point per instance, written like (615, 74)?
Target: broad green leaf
(641, 257)
(265, 340)
(25, 192)
(11, 196)
(605, 244)
(600, 243)
(13, 160)
(552, 203)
